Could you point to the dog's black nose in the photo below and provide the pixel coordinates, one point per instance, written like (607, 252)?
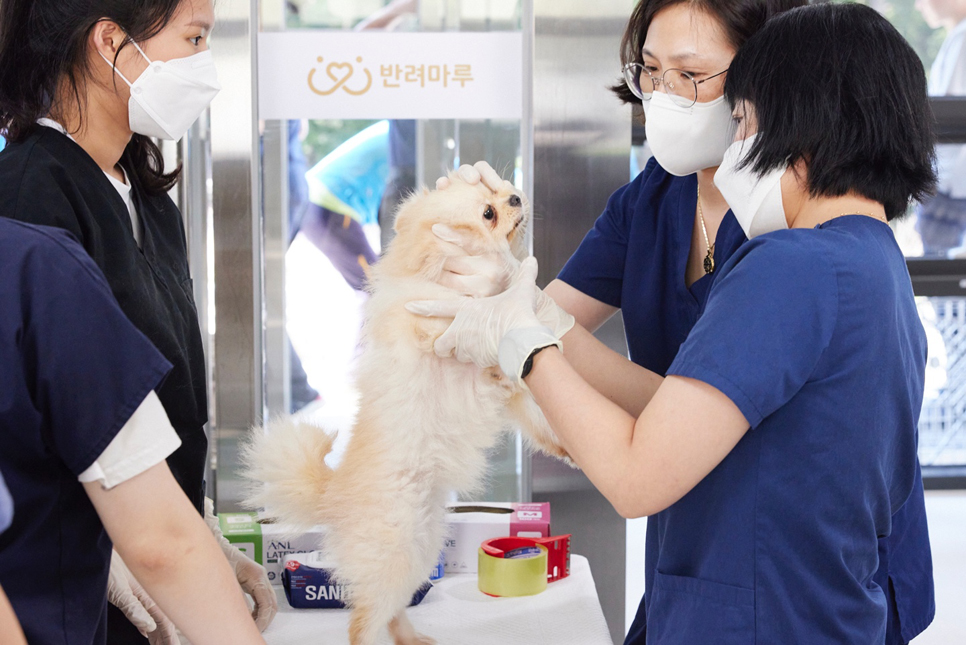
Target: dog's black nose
(515, 201)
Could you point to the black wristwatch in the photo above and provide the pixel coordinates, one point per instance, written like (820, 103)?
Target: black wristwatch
(528, 364)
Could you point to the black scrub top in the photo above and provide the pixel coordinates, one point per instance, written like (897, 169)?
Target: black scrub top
(48, 179)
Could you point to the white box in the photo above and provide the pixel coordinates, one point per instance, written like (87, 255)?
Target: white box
(470, 524)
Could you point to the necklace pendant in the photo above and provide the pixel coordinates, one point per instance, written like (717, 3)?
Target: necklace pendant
(709, 262)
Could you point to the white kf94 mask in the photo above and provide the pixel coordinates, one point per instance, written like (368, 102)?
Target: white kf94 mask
(686, 140)
(755, 200)
(170, 95)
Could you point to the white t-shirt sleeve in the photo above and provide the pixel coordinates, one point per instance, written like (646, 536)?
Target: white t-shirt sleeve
(145, 441)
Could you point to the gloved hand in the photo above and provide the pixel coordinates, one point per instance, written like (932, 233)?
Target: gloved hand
(480, 171)
(473, 274)
(251, 576)
(127, 594)
(481, 276)
(552, 315)
(500, 330)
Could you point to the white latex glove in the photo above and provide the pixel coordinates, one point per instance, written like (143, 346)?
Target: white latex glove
(251, 576)
(481, 276)
(500, 330)
(552, 315)
(127, 594)
(480, 171)
(471, 274)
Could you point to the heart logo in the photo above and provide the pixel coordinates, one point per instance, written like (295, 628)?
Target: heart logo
(340, 74)
(339, 79)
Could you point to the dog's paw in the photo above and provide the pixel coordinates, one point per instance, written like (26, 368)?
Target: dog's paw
(416, 639)
(403, 633)
(556, 450)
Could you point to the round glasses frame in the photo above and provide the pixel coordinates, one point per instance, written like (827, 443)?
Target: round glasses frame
(681, 87)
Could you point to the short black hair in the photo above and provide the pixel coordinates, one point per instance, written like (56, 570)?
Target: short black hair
(837, 86)
(740, 19)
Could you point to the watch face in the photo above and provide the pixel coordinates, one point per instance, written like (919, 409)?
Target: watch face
(528, 365)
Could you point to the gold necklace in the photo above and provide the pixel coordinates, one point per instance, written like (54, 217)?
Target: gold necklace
(709, 258)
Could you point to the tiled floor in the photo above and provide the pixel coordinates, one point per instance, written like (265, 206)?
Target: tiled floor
(947, 530)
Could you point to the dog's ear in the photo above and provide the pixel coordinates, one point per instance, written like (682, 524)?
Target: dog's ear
(403, 217)
(404, 213)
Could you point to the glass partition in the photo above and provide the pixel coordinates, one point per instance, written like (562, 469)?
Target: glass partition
(942, 424)
(933, 234)
(331, 187)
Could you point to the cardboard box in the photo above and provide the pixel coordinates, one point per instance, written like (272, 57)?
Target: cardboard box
(267, 543)
(472, 523)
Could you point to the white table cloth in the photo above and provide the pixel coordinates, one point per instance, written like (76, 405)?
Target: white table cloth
(455, 612)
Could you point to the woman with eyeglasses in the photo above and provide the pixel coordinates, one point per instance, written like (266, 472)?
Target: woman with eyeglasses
(782, 442)
(657, 248)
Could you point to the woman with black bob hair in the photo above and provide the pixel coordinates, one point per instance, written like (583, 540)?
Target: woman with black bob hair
(662, 239)
(823, 112)
(782, 441)
(85, 87)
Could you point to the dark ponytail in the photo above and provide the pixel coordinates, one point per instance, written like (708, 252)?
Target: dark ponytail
(741, 19)
(43, 61)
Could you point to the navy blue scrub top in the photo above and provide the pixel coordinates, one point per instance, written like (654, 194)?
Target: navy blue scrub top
(48, 179)
(814, 335)
(635, 258)
(72, 371)
(6, 506)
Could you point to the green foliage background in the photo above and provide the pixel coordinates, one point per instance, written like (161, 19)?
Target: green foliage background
(907, 19)
(326, 136)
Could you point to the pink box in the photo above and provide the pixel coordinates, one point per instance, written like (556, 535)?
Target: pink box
(470, 523)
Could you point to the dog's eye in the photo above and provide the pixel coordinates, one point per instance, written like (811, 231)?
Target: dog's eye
(488, 214)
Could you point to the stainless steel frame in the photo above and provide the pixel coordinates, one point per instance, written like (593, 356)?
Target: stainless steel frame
(582, 138)
(237, 352)
(194, 198)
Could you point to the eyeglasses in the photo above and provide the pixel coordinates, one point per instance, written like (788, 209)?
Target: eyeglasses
(680, 86)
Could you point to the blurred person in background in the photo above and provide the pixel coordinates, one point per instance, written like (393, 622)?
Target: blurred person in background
(941, 220)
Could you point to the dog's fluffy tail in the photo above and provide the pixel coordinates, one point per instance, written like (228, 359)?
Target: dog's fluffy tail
(286, 472)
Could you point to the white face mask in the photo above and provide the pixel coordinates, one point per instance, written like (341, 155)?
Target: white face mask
(756, 201)
(170, 95)
(686, 140)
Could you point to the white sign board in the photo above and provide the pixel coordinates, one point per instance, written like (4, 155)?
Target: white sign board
(345, 75)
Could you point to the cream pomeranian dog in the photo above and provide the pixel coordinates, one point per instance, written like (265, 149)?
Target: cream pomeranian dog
(423, 427)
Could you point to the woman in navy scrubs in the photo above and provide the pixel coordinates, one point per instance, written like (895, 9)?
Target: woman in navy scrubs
(646, 254)
(84, 88)
(84, 441)
(783, 440)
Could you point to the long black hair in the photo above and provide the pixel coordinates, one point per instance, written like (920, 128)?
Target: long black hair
(837, 86)
(739, 18)
(43, 55)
